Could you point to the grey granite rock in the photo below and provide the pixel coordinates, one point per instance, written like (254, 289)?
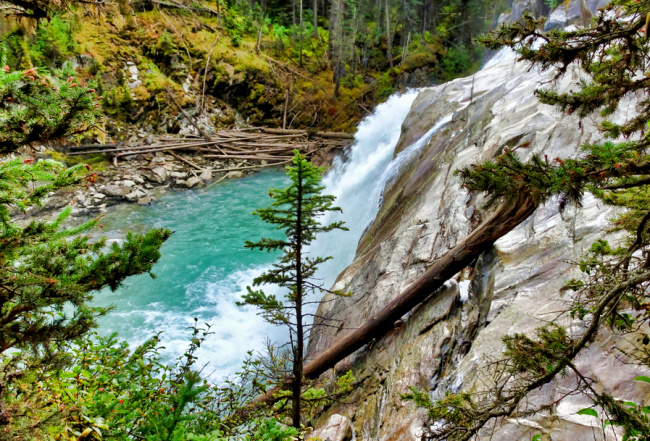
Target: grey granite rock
(448, 341)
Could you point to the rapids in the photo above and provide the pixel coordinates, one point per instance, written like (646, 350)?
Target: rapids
(205, 267)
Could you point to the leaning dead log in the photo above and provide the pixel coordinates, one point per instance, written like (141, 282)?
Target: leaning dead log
(504, 220)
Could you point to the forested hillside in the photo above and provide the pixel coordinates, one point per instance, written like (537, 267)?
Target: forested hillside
(321, 64)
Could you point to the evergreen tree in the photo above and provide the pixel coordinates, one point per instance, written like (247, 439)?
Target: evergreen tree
(614, 54)
(295, 210)
(48, 274)
(37, 106)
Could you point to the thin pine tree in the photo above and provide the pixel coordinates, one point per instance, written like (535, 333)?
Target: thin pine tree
(295, 210)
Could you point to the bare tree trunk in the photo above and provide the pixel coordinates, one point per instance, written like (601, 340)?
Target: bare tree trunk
(389, 36)
(298, 352)
(336, 41)
(353, 37)
(301, 32)
(405, 49)
(293, 22)
(315, 8)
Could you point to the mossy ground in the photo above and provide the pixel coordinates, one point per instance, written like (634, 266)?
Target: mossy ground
(181, 53)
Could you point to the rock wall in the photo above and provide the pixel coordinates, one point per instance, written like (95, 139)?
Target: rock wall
(446, 343)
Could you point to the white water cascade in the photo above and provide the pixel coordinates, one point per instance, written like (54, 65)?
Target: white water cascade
(357, 180)
(208, 272)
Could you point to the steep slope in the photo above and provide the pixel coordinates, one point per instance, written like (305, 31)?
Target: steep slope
(446, 344)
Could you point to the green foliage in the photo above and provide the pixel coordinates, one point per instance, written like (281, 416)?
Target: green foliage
(105, 390)
(50, 273)
(118, 102)
(35, 106)
(567, 177)
(632, 417)
(166, 44)
(455, 409)
(539, 356)
(54, 41)
(295, 211)
(272, 430)
(458, 60)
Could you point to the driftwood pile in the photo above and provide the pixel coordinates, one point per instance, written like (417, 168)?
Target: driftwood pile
(263, 146)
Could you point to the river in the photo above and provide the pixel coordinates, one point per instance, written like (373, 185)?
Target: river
(205, 268)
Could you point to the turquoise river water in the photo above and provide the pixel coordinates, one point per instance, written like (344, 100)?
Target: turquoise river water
(205, 268)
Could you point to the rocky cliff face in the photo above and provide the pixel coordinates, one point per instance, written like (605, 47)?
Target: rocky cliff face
(447, 342)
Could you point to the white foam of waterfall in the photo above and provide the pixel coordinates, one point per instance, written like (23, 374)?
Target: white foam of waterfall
(357, 180)
(411, 152)
(505, 54)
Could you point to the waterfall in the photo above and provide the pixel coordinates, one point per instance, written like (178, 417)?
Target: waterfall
(357, 179)
(205, 269)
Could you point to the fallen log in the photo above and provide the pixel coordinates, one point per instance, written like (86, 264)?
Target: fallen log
(190, 163)
(139, 152)
(504, 220)
(259, 157)
(284, 131)
(251, 167)
(336, 135)
(339, 135)
(90, 146)
(138, 149)
(297, 145)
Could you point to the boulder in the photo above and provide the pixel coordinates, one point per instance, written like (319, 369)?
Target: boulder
(569, 13)
(128, 183)
(145, 200)
(206, 175)
(337, 428)
(116, 190)
(538, 8)
(135, 195)
(193, 181)
(157, 174)
(557, 20)
(234, 174)
(179, 175)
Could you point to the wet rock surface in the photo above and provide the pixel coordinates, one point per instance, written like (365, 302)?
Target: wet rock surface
(447, 342)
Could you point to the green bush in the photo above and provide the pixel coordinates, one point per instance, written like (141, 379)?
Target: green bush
(35, 105)
(459, 60)
(54, 41)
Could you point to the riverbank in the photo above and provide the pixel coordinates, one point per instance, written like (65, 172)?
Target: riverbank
(141, 178)
(204, 268)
